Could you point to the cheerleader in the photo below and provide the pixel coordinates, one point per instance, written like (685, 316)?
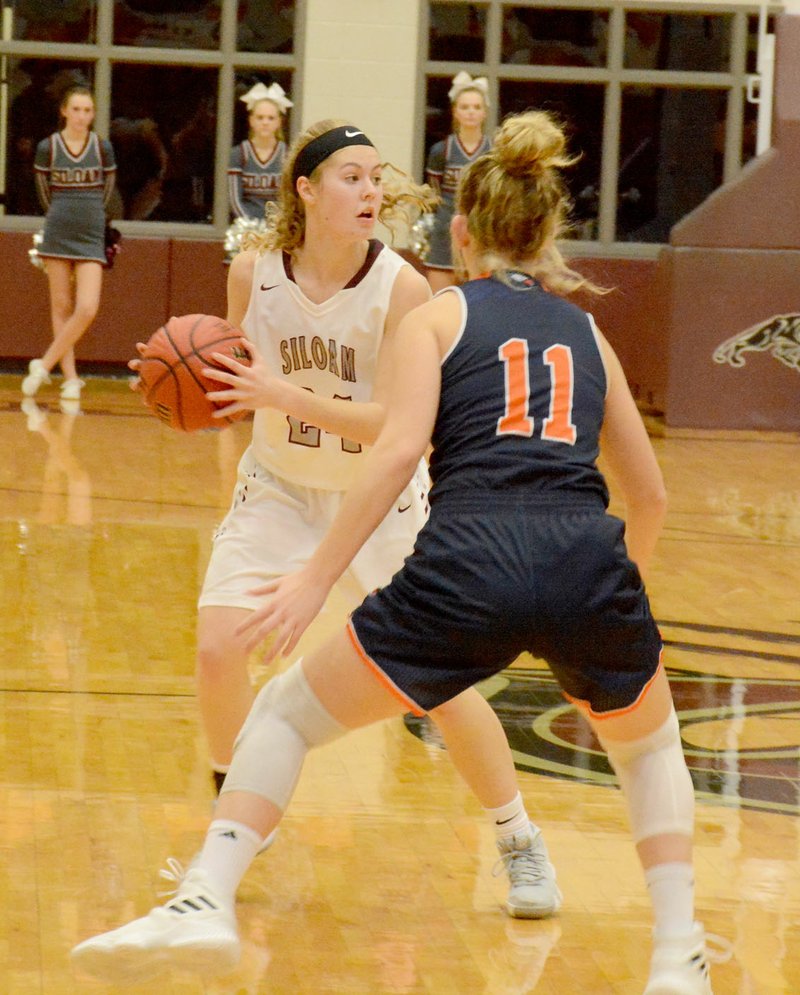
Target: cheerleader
(74, 172)
(255, 166)
(446, 159)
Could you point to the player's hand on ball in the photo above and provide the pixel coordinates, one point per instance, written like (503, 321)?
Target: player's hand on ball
(292, 603)
(248, 387)
(171, 367)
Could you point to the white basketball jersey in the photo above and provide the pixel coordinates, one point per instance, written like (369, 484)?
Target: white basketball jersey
(329, 348)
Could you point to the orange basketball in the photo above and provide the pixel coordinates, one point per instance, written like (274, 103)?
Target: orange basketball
(170, 378)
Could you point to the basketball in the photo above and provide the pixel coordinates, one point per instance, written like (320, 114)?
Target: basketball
(171, 381)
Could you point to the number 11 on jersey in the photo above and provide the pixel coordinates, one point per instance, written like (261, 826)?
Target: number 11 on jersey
(517, 420)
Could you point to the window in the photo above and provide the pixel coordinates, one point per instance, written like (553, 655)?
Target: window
(653, 96)
(163, 123)
(692, 42)
(457, 32)
(671, 157)
(67, 21)
(167, 23)
(172, 114)
(266, 26)
(545, 37)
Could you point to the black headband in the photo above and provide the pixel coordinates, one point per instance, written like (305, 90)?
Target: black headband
(322, 147)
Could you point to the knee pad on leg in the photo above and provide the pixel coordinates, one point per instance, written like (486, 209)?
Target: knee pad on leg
(655, 780)
(286, 720)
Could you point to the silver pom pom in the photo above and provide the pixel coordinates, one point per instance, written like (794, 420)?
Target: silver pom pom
(236, 232)
(419, 236)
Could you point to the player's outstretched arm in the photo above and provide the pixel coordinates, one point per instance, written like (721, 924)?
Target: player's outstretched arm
(293, 601)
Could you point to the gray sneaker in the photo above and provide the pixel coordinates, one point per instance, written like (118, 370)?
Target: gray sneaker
(534, 893)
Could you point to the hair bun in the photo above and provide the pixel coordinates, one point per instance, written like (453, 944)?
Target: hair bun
(527, 144)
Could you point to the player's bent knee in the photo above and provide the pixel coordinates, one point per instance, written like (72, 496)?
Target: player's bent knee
(289, 697)
(286, 720)
(220, 651)
(214, 659)
(665, 735)
(653, 775)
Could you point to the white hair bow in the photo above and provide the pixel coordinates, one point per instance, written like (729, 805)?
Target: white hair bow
(275, 93)
(463, 81)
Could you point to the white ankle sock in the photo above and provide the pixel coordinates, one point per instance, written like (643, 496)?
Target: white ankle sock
(510, 819)
(671, 888)
(228, 851)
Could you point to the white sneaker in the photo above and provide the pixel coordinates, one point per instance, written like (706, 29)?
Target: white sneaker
(679, 966)
(194, 931)
(534, 893)
(71, 389)
(37, 375)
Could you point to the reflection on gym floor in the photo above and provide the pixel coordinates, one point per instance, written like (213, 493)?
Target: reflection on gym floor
(380, 880)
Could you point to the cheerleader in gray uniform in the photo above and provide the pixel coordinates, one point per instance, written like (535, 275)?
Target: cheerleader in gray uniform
(446, 159)
(75, 173)
(256, 164)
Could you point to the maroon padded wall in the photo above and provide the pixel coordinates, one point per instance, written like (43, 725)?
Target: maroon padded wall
(198, 278)
(632, 316)
(738, 297)
(151, 280)
(731, 274)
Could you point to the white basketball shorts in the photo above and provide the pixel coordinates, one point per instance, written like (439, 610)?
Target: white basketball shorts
(274, 526)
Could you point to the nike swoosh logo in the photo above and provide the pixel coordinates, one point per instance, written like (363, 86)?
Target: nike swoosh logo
(265, 287)
(401, 510)
(352, 134)
(502, 822)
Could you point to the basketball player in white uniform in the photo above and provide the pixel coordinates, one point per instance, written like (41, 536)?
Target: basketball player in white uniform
(320, 299)
(293, 473)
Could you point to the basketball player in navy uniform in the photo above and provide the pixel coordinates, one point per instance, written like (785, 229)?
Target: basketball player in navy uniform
(256, 164)
(75, 172)
(514, 387)
(446, 159)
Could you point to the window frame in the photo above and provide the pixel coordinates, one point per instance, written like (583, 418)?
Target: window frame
(614, 77)
(226, 59)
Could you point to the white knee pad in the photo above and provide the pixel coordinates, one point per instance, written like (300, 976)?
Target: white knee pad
(286, 720)
(655, 780)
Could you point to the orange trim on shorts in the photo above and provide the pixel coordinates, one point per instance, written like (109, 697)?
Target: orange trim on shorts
(584, 706)
(384, 679)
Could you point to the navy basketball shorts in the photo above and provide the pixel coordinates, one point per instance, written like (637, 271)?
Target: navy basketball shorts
(480, 588)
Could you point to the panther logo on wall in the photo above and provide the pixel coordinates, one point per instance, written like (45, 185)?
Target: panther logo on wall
(780, 335)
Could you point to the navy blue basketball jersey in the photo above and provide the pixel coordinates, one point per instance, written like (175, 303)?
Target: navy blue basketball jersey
(523, 396)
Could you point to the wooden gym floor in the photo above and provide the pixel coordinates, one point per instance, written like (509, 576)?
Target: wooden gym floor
(381, 878)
